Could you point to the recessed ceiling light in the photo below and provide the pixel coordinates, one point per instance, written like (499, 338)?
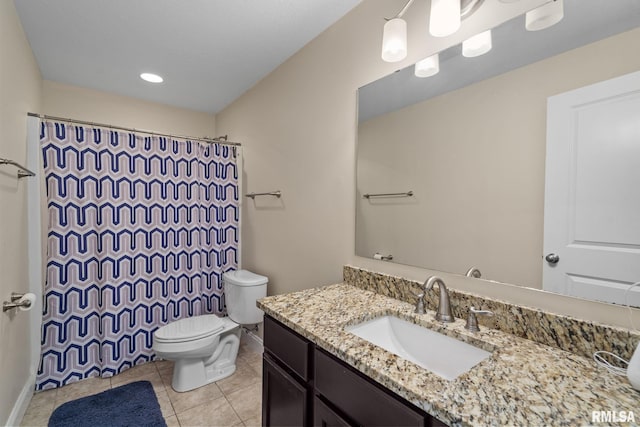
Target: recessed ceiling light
(151, 78)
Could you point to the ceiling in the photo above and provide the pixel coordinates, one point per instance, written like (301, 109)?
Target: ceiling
(209, 52)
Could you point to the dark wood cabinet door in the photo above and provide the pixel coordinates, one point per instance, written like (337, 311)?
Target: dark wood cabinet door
(324, 416)
(284, 399)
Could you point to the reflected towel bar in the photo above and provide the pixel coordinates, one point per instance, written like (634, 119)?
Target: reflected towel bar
(407, 194)
(22, 171)
(277, 194)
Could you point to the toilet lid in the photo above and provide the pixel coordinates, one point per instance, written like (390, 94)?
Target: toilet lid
(244, 278)
(190, 328)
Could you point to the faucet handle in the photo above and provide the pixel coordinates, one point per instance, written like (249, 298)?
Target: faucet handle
(420, 303)
(472, 319)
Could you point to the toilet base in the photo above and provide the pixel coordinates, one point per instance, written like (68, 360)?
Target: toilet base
(187, 377)
(216, 374)
(192, 373)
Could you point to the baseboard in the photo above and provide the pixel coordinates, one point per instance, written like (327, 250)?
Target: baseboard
(22, 403)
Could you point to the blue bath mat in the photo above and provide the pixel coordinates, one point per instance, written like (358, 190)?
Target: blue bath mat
(133, 404)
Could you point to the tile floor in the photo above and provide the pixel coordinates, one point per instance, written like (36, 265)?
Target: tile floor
(233, 401)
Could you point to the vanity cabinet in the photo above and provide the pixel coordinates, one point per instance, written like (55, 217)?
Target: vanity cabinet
(304, 385)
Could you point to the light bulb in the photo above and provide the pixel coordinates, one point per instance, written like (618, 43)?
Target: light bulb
(428, 67)
(477, 45)
(394, 40)
(544, 16)
(445, 17)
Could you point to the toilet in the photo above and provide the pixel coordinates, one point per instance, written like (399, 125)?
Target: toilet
(205, 347)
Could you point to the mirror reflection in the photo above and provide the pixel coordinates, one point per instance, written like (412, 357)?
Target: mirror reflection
(470, 144)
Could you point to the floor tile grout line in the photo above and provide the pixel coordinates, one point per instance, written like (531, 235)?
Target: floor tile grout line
(234, 410)
(170, 401)
(243, 388)
(238, 390)
(164, 386)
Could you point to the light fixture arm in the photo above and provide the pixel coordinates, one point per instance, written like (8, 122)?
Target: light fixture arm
(402, 11)
(467, 7)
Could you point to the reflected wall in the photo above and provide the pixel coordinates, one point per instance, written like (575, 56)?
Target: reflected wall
(474, 158)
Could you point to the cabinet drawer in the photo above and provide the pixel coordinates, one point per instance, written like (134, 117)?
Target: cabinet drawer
(288, 347)
(364, 402)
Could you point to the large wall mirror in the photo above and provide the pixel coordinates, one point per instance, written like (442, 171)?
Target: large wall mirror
(451, 169)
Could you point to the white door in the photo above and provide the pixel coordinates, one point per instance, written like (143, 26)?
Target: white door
(592, 191)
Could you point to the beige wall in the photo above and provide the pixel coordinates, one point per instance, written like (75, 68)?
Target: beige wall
(22, 90)
(79, 103)
(455, 152)
(298, 128)
(20, 87)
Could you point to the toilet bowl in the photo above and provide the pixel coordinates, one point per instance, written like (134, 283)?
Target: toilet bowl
(205, 347)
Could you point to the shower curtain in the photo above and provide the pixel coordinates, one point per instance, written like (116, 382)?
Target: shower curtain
(141, 229)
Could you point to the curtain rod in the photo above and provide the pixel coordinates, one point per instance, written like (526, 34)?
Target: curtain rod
(219, 140)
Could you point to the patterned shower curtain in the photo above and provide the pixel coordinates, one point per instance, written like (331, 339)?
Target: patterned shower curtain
(141, 229)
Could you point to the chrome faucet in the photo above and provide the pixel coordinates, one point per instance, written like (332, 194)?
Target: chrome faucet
(444, 306)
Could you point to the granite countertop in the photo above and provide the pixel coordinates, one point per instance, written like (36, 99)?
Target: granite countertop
(522, 383)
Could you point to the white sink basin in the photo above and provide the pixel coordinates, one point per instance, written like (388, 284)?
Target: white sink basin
(444, 356)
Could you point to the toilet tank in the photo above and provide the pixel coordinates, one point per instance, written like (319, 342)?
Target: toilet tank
(242, 288)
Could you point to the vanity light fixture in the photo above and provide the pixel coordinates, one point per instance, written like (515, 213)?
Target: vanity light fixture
(428, 67)
(477, 45)
(151, 78)
(445, 19)
(544, 16)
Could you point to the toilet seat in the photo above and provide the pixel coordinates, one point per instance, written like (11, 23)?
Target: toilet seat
(189, 329)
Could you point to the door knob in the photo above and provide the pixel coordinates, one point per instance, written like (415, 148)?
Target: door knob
(552, 258)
